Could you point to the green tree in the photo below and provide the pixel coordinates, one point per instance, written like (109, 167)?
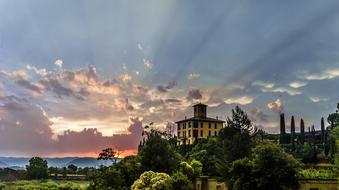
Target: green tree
(130, 169)
(158, 155)
(109, 154)
(238, 136)
(37, 168)
(73, 168)
(269, 167)
(107, 178)
(208, 153)
(153, 181)
(181, 182)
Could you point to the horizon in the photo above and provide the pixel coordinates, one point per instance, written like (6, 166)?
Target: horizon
(77, 77)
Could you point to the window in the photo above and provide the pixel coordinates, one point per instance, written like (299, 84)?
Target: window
(215, 126)
(189, 133)
(209, 125)
(178, 134)
(184, 134)
(195, 124)
(209, 133)
(201, 133)
(215, 133)
(178, 126)
(189, 124)
(189, 141)
(201, 125)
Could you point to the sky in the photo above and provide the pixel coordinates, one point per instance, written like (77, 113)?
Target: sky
(80, 76)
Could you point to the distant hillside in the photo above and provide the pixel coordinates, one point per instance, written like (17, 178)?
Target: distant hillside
(20, 162)
(89, 162)
(3, 164)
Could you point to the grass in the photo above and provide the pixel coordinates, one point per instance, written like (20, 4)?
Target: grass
(44, 185)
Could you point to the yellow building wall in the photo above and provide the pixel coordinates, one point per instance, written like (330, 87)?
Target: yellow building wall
(215, 128)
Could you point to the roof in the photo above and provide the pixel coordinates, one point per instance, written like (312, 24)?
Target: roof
(199, 104)
(202, 119)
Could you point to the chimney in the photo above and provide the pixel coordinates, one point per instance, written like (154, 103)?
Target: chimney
(217, 118)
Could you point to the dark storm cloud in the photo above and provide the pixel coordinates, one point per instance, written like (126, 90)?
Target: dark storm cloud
(28, 85)
(169, 86)
(194, 94)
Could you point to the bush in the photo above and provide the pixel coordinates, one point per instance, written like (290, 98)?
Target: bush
(153, 181)
(181, 182)
(318, 174)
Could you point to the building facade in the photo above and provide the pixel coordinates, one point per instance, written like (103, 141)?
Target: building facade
(198, 127)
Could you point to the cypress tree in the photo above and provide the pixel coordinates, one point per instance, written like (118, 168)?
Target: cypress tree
(282, 129)
(292, 132)
(302, 131)
(322, 130)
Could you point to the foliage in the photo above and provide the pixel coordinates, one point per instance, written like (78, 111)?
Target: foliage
(158, 155)
(107, 178)
(318, 174)
(269, 167)
(333, 119)
(308, 153)
(37, 168)
(181, 182)
(43, 185)
(130, 169)
(208, 153)
(153, 181)
(73, 168)
(109, 154)
(191, 170)
(238, 135)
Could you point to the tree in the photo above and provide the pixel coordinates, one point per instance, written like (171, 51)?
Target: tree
(130, 169)
(238, 135)
(181, 182)
(293, 133)
(333, 119)
(107, 178)
(153, 181)
(73, 168)
(322, 130)
(109, 154)
(158, 155)
(37, 168)
(208, 153)
(302, 131)
(269, 167)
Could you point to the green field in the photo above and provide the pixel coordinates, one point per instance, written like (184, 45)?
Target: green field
(44, 185)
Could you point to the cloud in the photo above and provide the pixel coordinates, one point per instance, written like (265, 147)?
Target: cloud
(26, 128)
(192, 76)
(328, 74)
(37, 89)
(243, 100)
(147, 63)
(40, 72)
(194, 94)
(59, 63)
(290, 92)
(126, 78)
(275, 106)
(169, 86)
(259, 115)
(263, 84)
(317, 99)
(297, 84)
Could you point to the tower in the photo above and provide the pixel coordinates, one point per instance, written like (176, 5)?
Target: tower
(200, 110)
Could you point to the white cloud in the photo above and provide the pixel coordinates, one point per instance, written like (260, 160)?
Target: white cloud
(59, 63)
(263, 84)
(147, 63)
(192, 76)
(125, 78)
(297, 84)
(317, 99)
(328, 74)
(283, 90)
(244, 100)
(275, 106)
